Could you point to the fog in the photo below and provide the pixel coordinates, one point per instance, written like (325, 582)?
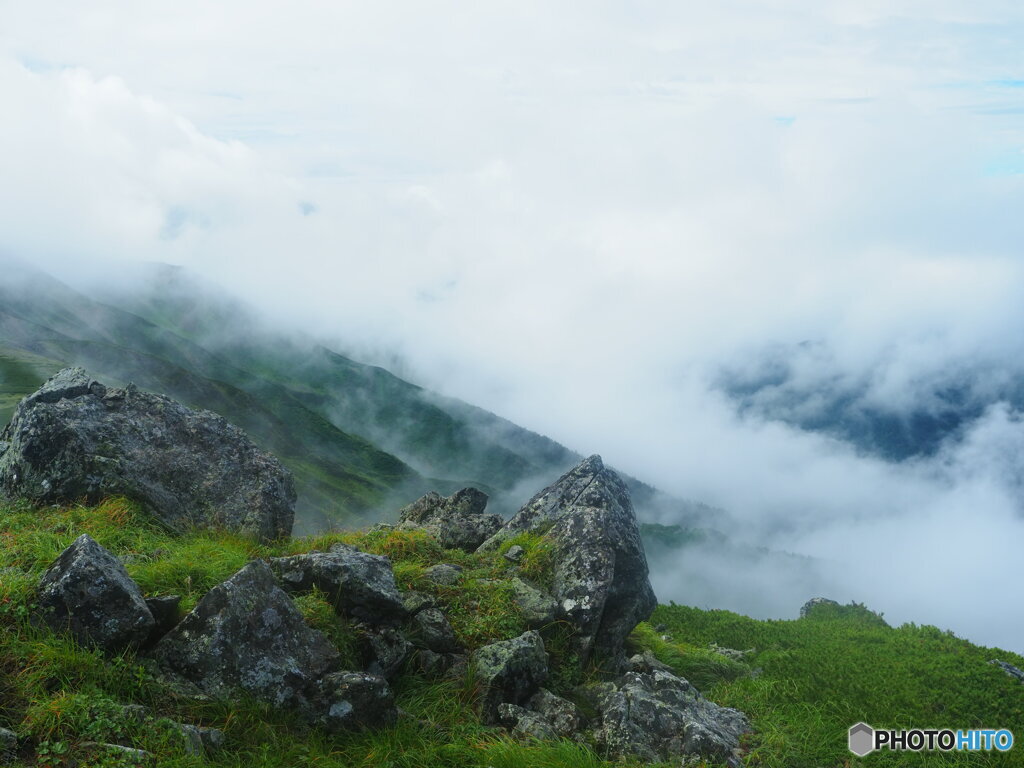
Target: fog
(581, 217)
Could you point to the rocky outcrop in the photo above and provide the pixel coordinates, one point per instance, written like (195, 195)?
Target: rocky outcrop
(1009, 669)
(509, 672)
(246, 635)
(601, 583)
(660, 717)
(359, 584)
(457, 521)
(88, 593)
(76, 439)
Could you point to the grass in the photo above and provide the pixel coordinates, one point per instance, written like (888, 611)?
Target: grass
(803, 683)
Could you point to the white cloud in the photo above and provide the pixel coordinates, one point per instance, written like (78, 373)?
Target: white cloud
(574, 215)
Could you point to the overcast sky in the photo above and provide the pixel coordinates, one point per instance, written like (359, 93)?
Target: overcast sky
(576, 214)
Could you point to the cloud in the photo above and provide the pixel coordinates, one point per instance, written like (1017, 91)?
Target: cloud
(578, 217)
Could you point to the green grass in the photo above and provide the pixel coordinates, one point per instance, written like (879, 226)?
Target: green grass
(804, 683)
(820, 675)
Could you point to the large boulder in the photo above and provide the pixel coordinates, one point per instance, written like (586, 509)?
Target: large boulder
(246, 635)
(457, 521)
(359, 584)
(601, 583)
(87, 592)
(659, 717)
(509, 671)
(76, 439)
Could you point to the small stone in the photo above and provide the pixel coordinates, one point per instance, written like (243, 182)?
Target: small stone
(445, 574)
(435, 632)
(8, 746)
(510, 671)
(538, 607)
(357, 700)
(415, 602)
(515, 554)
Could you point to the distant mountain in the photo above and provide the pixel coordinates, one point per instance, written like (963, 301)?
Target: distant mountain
(360, 441)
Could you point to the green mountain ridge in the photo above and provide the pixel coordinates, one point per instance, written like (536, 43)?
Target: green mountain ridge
(360, 441)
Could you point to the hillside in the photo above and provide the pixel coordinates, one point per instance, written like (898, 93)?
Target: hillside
(360, 440)
(803, 683)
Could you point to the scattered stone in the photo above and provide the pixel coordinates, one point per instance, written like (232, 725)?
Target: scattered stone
(515, 554)
(414, 602)
(358, 700)
(87, 592)
(384, 650)
(601, 583)
(524, 724)
(434, 665)
(511, 671)
(212, 738)
(165, 615)
(661, 628)
(538, 608)
(646, 662)
(564, 717)
(815, 602)
(435, 632)
(8, 746)
(457, 522)
(359, 584)
(246, 635)
(660, 717)
(445, 574)
(1009, 669)
(122, 753)
(76, 439)
(730, 653)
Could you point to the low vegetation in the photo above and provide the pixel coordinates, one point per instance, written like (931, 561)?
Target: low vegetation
(803, 682)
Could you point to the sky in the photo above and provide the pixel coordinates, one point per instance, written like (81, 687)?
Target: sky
(578, 215)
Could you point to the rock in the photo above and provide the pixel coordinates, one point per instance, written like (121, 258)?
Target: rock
(537, 607)
(515, 554)
(510, 671)
(815, 602)
(457, 522)
(435, 632)
(659, 717)
(524, 724)
(433, 665)
(121, 754)
(247, 636)
(165, 615)
(384, 650)
(212, 738)
(1009, 669)
(414, 602)
(87, 592)
(75, 439)
(563, 717)
(357, 700)
(359, 584)
(445, 574)
(646, 662)
(730, 653)
(601, 583)
(8, 746)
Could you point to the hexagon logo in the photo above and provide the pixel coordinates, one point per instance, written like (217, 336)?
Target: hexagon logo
(861, 739)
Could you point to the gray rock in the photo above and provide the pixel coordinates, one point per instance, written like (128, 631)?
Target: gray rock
(359, 584)
(457, 522)
(415, 602)
(246, 635)
(87, 592)
(357, 700)
(445, 574)
(730, 653)
(1009, 669)
(8, 746)
(435, 632)
(538, 607)
(815, 602)
(561, 715)
(660, 717)
(434, 665)
(165, 615)
(122, 754)
(601, 583)
(75, 439)
(646, 662)
(515, 554)
(525, 724)
(510, 672)
(384, 650)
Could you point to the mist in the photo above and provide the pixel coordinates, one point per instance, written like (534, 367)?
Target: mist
(700, 241)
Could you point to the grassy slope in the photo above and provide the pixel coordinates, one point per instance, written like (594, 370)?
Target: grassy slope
(818, 675)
